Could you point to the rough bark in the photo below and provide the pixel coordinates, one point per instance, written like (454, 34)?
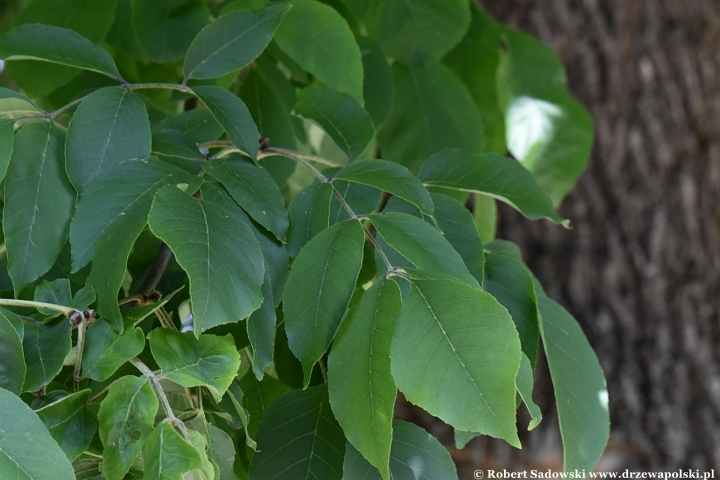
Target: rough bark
(641, 268)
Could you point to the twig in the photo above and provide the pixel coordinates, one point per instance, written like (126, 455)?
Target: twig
(69, 312)
(156, 270)
(77, 368)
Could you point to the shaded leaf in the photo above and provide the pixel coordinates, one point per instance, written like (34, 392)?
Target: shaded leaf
(176, 148)
(198, 125)
(167, 455)
(56, 292)
(12, 361)
(236, 395)
(524, 383)
(106, 350)
(221, 450)
(257, 396)
(135, 315)
(7, 137)
(45, 346)
(377, 80)
(261, 330)
(309, 213)
(319, 288)
(14, 104)
(69, 423)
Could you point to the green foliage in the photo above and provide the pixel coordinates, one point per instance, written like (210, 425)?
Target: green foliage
(158, 156)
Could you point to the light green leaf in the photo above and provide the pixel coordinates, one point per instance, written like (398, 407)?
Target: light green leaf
(257, 396)
(413, 31)
(217, 250)
(14, 104)
(549, 131)
(319, 288)
(125, 418)
(415, 455)
(339, 115)
(45, 346)
(209, 361)
(198, 125)
(109, 127)
(221, 450)
(237, 395)
(232, 114)
(27, 450)
(423, 245)
(254, 190)
(232, 41)
(207, 470)
(165, 28)
(167, 456)
(69, 423)
(106, 350)
(455, 353)
(38, 203)
(299, 438)
(362, 389)
(309, 213)
(319, 39)
(432, 110)
(580, 389)
(12, 361)
(392, 178)
(7, 138)
(524, 383)
(499, 177)
(377, 80)
(173, 146)
(56, 45)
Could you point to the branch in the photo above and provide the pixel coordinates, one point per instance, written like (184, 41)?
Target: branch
(156, 270)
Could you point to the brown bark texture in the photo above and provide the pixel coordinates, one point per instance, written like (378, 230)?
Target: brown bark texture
(640, 269)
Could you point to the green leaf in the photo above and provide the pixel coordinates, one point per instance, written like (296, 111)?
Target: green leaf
(125, 418)
(27, 450)
(362, 389)
(413, 31)
(167, 455)
(232, 114)
(69, 423)
(580, 389)
(209, 361)
(7, 137)
(319, 288)
(432, 110)
(232, 41)
(12, 361)
(106, 350)
(173, 146)
(377, 80)
(135, 315)
(461, 337)
(38, 203)
(56, 45)
(198, 125)
(221, 450)
(257, 396)
(339, 115)
(254, 190)
(524, 383)
(217, 250)
(319, 39)
(261, 330)
(363, 199)
(207, 470)
(415, 455)
(392, 178)
(236, 395)
(423, 245)
(309, 213)
(109, 127)
(499, 177)
(45, 346)
(56, 292)
(299, 438)
(165, 28)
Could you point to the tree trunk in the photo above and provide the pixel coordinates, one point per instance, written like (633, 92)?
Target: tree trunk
(641, 267)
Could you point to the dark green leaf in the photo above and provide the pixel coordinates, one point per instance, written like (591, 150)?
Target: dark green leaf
(29, 452)
(319, 288)
(198, 125)
(232, 41)
(106, 350)
(38, 203)
(217, 250)
(56, 292)
(299, 438)
(45, 346)
(362, 390)
(254, 190)
(7, 137)
(83, 298)
(415, 455)
(579, 384)
(423, 245)
(257, 395)
(339, 115)
(125, 420)
(261, 330)
(56, 45)
(69, 423)
(209, 361)
(176, 148)
(524, 383)
(233, 115)
(493, 175)
(320, 40)
(392, 178)
(377, 81)
(236, 395)
(455, 353)
(309, 213)
(167, 455)
(12, 361)
(109, 127)
(165, 28)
